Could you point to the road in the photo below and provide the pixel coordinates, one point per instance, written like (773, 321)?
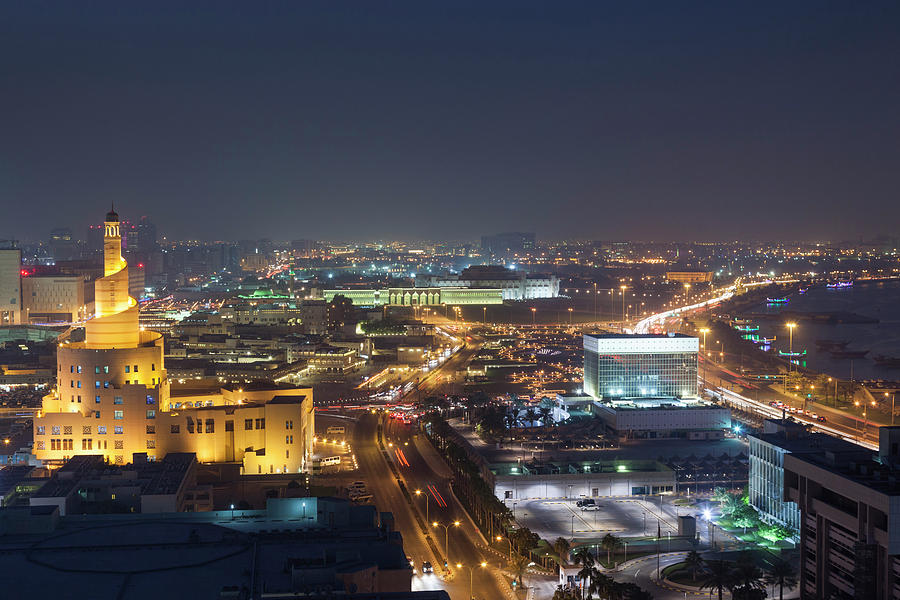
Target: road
(421, 469)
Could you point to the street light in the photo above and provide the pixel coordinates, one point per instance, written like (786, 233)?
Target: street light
(623, 288)
(419, 493)
(892, 406)
(471, 569)
(508, 541)
(446, 537)
(570, 316)
(533, 310)
(704, 331)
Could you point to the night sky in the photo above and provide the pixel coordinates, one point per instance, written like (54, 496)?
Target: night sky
(378, 120)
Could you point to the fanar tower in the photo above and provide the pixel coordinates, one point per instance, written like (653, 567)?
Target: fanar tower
(112, 396)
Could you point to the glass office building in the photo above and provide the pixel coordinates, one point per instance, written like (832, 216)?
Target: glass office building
(640, 366)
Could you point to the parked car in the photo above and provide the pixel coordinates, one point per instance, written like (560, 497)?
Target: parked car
(585, 502)
(591, 506)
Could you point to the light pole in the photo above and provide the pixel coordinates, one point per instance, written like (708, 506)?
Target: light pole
(533, 310)
(471, 569)
(446, 538)
(704, 331)
(419, 493)
(892, 406)
(790, 327)
(484, 314)
(623, 288)
(508, 541)
(570, 316)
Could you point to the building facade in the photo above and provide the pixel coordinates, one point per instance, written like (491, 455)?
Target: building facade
(418, 296)
(640, 366)
(10, 286)
(514, 285)
(53, 299)
(113, 397)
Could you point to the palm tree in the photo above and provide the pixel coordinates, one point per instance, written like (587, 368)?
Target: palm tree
(519, 566)
(695, 563)
(531, 416)
(781, 573)
(731, 504)
(719, 576)
(562, 547)
(609, 543)
(747, 576)
(546, 415)
(600, 583)
(584, 558)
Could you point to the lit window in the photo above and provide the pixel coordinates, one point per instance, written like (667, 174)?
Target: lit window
(54, 429)
(127, 369)
(96, 399)
(135, 368)
(118, 415)
(40, 430)
(106, 369)
(151, 400)
(79, 369)
(97, 383)
(97, 413)
(96, 370)
(71, 368)
(116, 399)
(79, 384)
(151, 414)
(106, 384)
(118, 429)
(101, 429)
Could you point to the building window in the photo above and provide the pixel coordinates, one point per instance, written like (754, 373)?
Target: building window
(261, 423)
(116, 399)
(96, 370)
(78, 370)
(71, 368)
(120, 460)
(151, 414)
(127, 369)
(151, 429)
(101, 429)
(67, 430)
(68, 445)
(96, 399)
(151, 400)
(210, 426)
(86, 444)
(78, 385)
(118, 415)
(40, 445)
(118, 444)
(97, 383)
(97, 414)
(135, 368)
(54, 429)
(85, 430)
(79, 399)
(118, 430)
(106, 384)
(71, 383)
(152, 366)
(287, 454)
(151, 443)
(106, 369)
(175, 429)
(40, 429)
(229, 425)
(248, 424)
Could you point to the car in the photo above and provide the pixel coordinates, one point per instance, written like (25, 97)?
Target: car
(427, 568)
(585, 502)
(591, 506)
(821, 419)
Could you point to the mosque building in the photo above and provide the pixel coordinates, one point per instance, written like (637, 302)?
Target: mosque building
(113, 397)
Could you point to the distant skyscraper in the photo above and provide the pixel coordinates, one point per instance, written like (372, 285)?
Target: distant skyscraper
(503, 244)
(10, 286)
(62, 244)
(145, 236)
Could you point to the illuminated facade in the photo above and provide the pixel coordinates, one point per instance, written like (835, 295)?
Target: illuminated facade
(640, 366)
(419, 296)
(112, 396)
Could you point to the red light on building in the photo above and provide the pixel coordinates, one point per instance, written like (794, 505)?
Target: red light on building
(24, 273)
(140, 265)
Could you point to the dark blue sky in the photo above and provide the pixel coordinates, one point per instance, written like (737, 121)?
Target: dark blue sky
(363, 120)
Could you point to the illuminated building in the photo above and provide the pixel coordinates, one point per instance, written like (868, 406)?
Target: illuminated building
(689, 276)
(10, 286)
(418, 296)
(58, 299)
(515, 285)
(112, 396)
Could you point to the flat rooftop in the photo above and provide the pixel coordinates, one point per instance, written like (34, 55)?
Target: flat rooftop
(575, 467)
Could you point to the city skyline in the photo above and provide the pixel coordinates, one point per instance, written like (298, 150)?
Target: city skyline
(427, 122)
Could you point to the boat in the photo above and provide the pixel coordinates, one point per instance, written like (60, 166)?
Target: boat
(765, 340)
(839, 284)
(886, 361)
(777, 300)
(792, 354)
(849, 353)
(803, 290)
(831, 344)
(747, 327)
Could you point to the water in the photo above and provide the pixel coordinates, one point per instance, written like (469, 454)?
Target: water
(878, 300)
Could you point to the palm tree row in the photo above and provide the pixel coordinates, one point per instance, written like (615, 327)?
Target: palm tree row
(742, 578)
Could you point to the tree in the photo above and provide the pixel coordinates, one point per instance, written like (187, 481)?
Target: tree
(584, 558)
(531, 416)
(747, 577)
(719, 577)
(720, 494)
(524, 539)
(782, 574)
(519, 566)
(730, 504)
(546, 416)
(561, 546)
(601, 584)
(609, 543)
(745, 516)
(562, 593)
(695, 563)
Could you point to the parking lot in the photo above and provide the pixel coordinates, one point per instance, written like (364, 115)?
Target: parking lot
(623, 517)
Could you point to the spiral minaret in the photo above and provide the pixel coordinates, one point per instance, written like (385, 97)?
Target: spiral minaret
(115, 322)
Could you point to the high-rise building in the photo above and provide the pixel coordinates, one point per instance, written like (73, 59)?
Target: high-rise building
(113, 397)
(10, 286)
(145, 236)
(849, 519)
(640, 366)
(62, 245)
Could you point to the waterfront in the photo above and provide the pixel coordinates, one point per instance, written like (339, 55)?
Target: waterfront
(879, 300)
